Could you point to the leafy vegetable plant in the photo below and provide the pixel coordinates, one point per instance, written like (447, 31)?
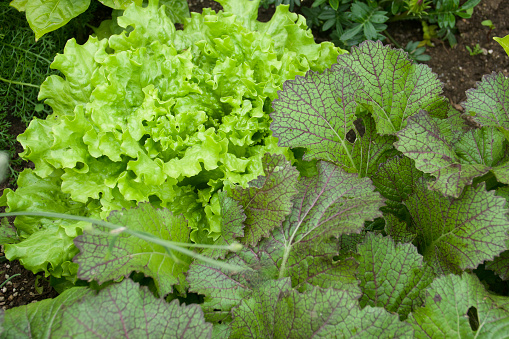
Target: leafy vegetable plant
(379, 231)
(156, 115)
(45, 16)
(354, 21)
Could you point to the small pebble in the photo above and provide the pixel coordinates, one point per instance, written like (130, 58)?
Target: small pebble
(15, 294)
(2, 298)
(7, 266)
(10, 297)
(6, 276)
(490, 51)
(14, 289)
(9, 283)
(4, 289)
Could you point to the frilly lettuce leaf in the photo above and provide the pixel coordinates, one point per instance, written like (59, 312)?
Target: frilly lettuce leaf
(165, 116)
(119, 310)
(105, 256)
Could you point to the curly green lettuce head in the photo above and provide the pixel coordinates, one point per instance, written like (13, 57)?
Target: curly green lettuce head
(159, 115)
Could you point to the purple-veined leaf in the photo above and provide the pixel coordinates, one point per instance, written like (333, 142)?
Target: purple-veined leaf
(500, 265)
(278, 311)
(488, 103)
(330, 204)
(391, 275)
(446, 310)
(107, 256)
(317, 111)
(267, 201)
(422, 141)
(397, 229)
(394, 87)
(232, 225)
(458, 234)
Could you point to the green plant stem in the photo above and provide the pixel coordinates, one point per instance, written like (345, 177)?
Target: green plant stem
(5, 282)
(142, 235)
(391, 39)
(19, 83)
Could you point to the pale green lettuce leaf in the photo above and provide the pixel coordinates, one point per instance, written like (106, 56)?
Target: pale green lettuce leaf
(106, 256)
(458, 234)
(277, 311)
(46, 16)
(446, 310)
(119, 310)
(391, 275)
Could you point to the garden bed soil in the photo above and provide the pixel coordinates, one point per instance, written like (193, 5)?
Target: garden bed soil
(456, 68)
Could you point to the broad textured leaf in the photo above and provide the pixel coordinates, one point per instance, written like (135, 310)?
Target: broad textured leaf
(391, 275)
(267, 200)
(128, 310)
(107, 256)
(397, 229)
(330, 204)
(47, 15)
(500, 265)
(232, 225)
(448, 301)
(277, 311)
(40, 319)
(120, 4)
(395, 180)
(488, 103)
(316, 112)
(453, 127)
(421, 141)
(118, 311)
(458, 234)
(371, 149)
(394, 87)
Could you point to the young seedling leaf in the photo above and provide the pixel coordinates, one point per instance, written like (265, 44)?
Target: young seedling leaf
(422, 141)
(391, 275)
(488, 103)
(129, 253)
(394, 87)
(458, 234)
(446, 310)
(277, 311)
(267, 200)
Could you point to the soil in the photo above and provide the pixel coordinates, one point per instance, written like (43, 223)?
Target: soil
(456, 68)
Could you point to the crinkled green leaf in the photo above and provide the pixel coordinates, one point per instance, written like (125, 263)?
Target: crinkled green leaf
(47, 15)
(119, 310)
(268, 199)
(232, 225)
(453, 127)
(394, 87)
(391, 275)
(500, 265)
(317, 111)
(488, 103)
(395, 180)
(397, 229)
(277, 311)
(107, 256)
(446, 310)
(43, 318)
(8, 234)
(458, 234)
(120, 4)
(421, 141)
(371, 149)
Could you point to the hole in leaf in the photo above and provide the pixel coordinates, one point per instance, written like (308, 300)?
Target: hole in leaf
(350, 136)
(473, 318)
